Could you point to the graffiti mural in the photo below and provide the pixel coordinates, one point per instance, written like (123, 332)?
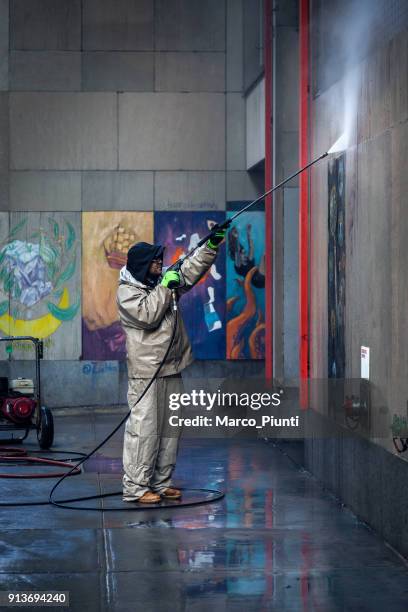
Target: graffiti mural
(203, 308)
(106, 238)
(39, 288)
(246, 287)
(336, 269)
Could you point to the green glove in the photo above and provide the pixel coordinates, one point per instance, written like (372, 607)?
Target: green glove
(217, 238)
(171, 279)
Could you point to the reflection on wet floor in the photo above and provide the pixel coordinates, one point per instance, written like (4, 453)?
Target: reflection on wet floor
(276, 541)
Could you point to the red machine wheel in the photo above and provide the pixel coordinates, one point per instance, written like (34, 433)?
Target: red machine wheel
(45, 431)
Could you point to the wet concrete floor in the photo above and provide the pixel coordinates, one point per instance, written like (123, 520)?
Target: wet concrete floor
(276, 541)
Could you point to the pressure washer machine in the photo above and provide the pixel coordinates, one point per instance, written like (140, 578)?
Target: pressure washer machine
(21, 407)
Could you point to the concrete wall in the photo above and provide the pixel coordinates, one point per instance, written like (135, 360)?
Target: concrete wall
(285, 160)
(111, 88)
(285, 156)
(253, 42)
(255, 125)
(367, 475)
(104, 383)
(376, 225)
(121, 105)
(4, 104)
(368, 479)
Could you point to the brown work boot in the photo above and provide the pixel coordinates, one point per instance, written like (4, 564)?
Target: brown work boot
(146, 498)
(149, 498)
(171, 493)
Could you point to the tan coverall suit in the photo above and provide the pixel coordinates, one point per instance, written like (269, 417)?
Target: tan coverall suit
(150, 449)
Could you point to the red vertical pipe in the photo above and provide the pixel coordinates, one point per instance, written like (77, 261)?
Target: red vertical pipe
(268, 185)
(303, 201)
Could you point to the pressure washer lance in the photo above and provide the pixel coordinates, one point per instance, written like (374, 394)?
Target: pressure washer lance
(177, 265)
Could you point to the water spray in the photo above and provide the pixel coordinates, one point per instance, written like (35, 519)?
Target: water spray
(340, 144)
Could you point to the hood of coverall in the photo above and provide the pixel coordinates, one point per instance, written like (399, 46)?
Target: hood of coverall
(139, 258)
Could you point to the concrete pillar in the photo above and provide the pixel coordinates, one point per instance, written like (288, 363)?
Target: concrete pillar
(4, 105)
(286, 200)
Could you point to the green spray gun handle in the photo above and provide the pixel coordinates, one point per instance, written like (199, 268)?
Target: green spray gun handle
(215, 229)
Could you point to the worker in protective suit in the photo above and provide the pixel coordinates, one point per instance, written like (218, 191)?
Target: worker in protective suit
(145, 308)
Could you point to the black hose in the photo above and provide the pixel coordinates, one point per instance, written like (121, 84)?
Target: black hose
(133, 507)
(61, 503)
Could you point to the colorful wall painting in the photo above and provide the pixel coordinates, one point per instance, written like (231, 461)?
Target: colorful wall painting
(40, 283)
(245, 307)
(106, 238)
(336, 269)
(202, 308)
